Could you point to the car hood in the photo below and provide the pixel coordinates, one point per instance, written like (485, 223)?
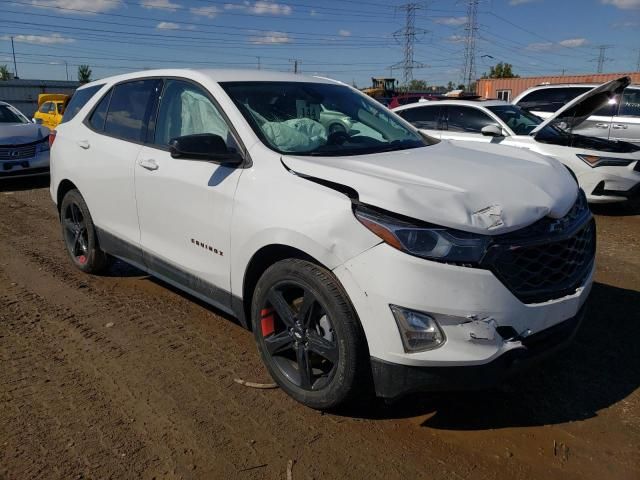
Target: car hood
(484, 188)
(20, 133)
(582, 107)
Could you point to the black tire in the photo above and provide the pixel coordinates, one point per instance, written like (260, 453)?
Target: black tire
(79, 234)
(315, 326)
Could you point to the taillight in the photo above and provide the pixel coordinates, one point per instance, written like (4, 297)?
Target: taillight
(52, 137)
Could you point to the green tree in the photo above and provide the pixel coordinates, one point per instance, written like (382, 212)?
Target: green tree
(501, 70)
(84, 74)
(417, 85)
(451, 86)
(4, 72)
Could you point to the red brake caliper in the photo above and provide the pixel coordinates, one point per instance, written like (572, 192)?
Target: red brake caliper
(267, 321)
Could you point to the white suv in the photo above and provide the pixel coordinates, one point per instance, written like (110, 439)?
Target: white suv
(373, 256)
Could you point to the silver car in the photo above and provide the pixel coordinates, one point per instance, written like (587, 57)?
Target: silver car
(617, 120)
(24, 146)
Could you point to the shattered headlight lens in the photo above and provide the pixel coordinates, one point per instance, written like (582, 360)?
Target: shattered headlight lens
(598, 161)
(425, 241)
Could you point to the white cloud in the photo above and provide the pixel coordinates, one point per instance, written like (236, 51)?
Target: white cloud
(160, 4)
(452, 21)
(568, 43)
(94, 6)
(573, 42)
(261, 7)
(314, 13)
(52, 39)
(174, 26)
(344, 33)
(455, 39)
(167, 26)
(623, 4)
(520, 2)
(271, 38)
(210, 12)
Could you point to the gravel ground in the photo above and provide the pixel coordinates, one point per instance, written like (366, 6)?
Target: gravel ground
(120, 376)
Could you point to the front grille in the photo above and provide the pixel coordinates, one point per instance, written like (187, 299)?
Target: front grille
(548, 260)
(18, 153)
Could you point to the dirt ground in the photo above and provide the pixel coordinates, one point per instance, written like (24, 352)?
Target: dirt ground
(120, 376)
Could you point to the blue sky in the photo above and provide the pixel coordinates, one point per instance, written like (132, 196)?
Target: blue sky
(351, 40)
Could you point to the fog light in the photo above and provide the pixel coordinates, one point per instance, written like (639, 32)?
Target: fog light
(418, 330)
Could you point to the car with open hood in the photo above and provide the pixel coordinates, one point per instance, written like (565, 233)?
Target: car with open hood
(617, 119)
(608, 171)
(376, 255)
(24, 146)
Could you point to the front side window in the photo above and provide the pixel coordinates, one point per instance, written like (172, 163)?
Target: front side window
(517, 119)
(630, 105)
(130, 108)
(9, 114)
(185, 109)
(297, 118)
(423, 117)
(467, 119)
(79, 100)
(45, 107)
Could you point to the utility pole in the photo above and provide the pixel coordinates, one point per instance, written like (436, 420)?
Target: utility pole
(407, 36)
(602, 56)
(66, 68)
(471, 29)
(296, 63)
(638, 64)
(15, 65)
(259, 66)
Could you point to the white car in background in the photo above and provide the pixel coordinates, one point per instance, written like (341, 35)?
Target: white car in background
(617, 119)
(608, 171)
(24, 146)
(373, 256)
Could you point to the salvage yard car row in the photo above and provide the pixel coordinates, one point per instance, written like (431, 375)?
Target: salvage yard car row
(363, 254)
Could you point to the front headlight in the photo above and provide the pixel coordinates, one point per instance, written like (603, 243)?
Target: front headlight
(425, 241)
(598, 161)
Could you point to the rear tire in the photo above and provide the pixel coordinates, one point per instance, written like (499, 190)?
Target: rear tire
(308, 334)
(79, 234)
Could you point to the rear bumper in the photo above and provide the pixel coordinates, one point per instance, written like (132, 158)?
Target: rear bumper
(393, 380)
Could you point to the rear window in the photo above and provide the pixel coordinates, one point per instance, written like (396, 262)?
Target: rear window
(422, 117)
(79, 100)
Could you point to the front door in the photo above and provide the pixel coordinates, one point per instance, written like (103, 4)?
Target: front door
(185, 206)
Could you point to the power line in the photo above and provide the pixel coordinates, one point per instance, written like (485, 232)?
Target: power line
(407, 36)
(471, 28)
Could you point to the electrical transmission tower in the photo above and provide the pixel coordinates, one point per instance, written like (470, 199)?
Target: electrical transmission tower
(471, 29)
(602, 56)
(408, 36)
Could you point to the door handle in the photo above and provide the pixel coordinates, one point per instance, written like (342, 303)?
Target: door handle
(619, 126)
(149, 164)
(83, 144)
(602, 125)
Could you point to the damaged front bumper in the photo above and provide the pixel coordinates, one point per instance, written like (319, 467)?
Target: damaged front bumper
(488, 330)
(393, 380)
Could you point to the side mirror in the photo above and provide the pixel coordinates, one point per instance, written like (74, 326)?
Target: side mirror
(492, 131)
(206, 147)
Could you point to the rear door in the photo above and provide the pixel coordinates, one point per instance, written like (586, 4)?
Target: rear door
(625, 125)
(466, 123)
(427, 118)
(185, 206)
(107, 152)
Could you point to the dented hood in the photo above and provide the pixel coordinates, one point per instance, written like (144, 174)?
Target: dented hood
(483, 188)
(20, 133)
(582, 107)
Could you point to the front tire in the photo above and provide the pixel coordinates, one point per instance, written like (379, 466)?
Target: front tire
(308, 334)
(79, 234)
